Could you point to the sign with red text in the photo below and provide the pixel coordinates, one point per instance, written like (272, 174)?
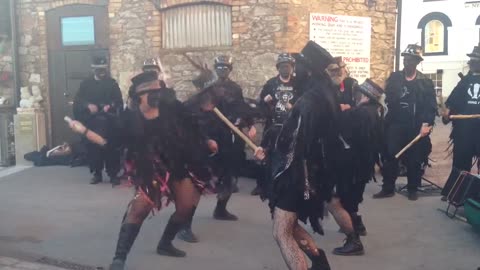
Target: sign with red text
(345, 36)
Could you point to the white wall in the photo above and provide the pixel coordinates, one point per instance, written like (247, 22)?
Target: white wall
(463, 35)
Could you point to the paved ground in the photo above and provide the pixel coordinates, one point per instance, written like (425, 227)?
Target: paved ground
(7, 263)
(52, 213)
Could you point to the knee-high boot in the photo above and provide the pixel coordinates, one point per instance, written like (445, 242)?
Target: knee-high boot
(165, 246)
(126, 238)
(186, 233)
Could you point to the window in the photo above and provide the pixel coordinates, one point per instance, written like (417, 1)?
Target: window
(197, 26)
(434, 36)
(78, 31)
(437, 79)
(435, 33)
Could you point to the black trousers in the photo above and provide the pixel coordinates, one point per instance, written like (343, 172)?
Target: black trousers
(100, 157)
(397, 137)
(465, 147)
(348, 187)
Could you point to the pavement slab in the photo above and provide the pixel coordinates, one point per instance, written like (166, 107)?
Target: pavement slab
(7, 263)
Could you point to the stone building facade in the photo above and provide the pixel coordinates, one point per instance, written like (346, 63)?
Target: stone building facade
(260, 29)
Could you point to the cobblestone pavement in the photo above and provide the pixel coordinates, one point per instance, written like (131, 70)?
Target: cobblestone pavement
(7, 263)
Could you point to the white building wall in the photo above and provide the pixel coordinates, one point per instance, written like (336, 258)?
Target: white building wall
(463, 35)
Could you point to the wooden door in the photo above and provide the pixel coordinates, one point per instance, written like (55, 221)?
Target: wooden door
(75, 33)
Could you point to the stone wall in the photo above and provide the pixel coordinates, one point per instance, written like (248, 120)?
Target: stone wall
(260, 30)
(135, 27)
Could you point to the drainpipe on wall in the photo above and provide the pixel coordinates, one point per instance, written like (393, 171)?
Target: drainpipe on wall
(399, 31)
(15, 43)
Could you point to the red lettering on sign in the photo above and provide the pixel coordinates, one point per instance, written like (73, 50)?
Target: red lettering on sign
(325, 18)
(356, 59)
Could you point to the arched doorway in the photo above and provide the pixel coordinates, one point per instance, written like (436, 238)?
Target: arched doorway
(75, 33)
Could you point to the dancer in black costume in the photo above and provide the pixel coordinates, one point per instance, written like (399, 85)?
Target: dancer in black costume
(227, 147)
(97, 103)
(231, 148)
(166, 159)
(361, 133)
(301, 167)
(276, 101)
(412, 106)
(464, 99)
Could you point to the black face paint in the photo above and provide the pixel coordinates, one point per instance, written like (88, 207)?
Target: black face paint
(222, 71)
(410, 62)
(285, 70)
(474, 66)
(101, 73)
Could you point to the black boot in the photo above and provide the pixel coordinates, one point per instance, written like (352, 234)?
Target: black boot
(165, 246)
(353, 246)
(126, 238)
(412, 195)
(221, 212)
(384, 194)
(319, 262)
(97, 178)
(186, 233)
(358, 225)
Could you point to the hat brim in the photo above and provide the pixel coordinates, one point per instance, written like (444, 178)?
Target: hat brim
(285, 62)
(151, 66)
(368, 93)
(99, 66)
(474, 57)
(411, 54)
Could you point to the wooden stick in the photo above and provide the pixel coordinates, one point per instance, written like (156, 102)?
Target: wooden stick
(235, 129)
(90, 135)
(464, 116)
(408, 146)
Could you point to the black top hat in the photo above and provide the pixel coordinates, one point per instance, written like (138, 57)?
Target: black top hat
(316, 57)
(475, 55)
(144, 77)
(339, 61)
(370, 89)
(99, 62)
(414, 50)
